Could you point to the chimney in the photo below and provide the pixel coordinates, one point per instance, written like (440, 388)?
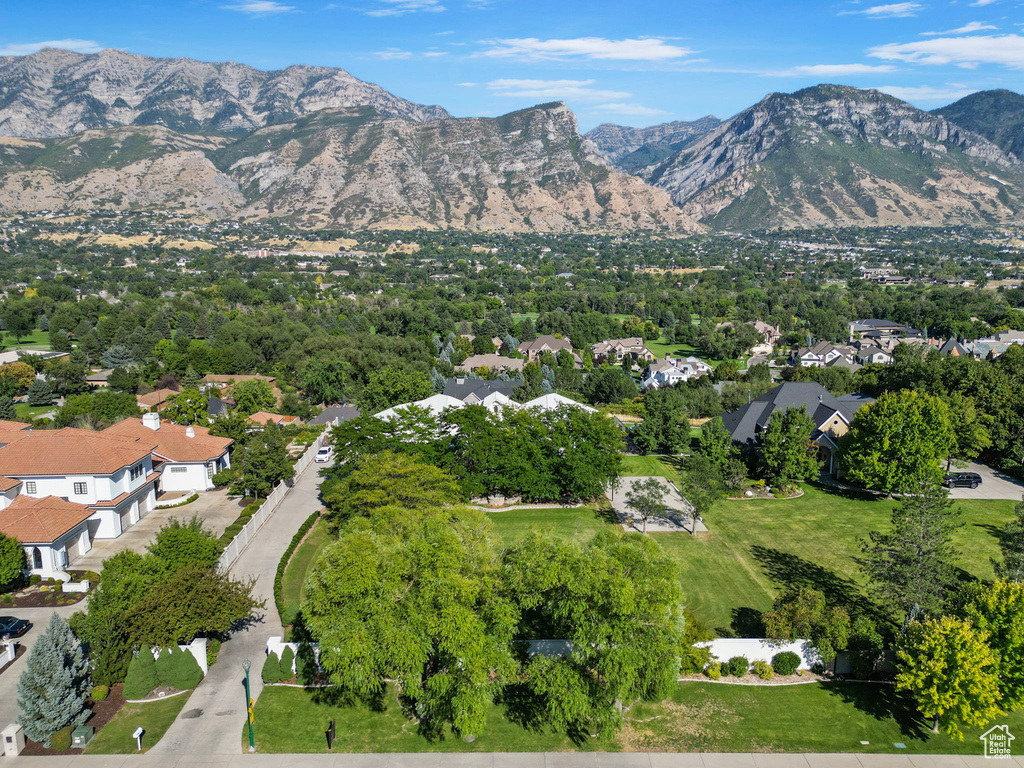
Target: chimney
(151, 420)
(190, 432)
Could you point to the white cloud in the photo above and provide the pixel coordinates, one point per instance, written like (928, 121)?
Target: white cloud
(636, 110)
(926, 92)
(966, 52)
(833, 70)
(71, 44)
(260, 8)
(467, 85)
(981, 3)
(553, 90)
(634, 49)
(390, 54)
(434, 54)
(891, 11)
(402, 7)
(446, 32)
(973, 26)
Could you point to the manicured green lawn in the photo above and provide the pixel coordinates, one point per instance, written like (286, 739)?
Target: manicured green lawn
(292, 720)
(830, 717)
(39, 340)
(577, 523)
(756, 548)
(26, 411)
(115, 738)
(293, 581)
(661, 348)
(649, 466)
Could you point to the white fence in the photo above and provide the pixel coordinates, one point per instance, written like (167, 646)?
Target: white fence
(244, 536)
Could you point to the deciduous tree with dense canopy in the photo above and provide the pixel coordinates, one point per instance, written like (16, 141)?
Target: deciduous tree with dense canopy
(787, 454)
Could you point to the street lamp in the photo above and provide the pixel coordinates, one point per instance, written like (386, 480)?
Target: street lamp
(248, 705)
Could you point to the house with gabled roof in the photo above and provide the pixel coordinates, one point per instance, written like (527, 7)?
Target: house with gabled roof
(534, 349)
(616, 350)
(53, 531)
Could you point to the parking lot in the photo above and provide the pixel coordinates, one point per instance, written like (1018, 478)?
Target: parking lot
(994, 485)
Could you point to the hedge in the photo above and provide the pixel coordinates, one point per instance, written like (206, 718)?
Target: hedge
(244, 517)
(279, 576)
(189, 500)
(738, 666)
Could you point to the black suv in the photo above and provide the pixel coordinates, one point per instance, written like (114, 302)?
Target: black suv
(963, 480)
(13, 627)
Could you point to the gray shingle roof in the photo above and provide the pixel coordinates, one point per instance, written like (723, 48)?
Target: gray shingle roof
(339, 412)
(461, 388)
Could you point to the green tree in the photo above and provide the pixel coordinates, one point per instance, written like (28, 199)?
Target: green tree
(7, 409)
(608, 385)
(803, 614)
(187, 407)
(413, 595)
(392, 386)
(912, 564)
(998, 611)
(1011, 543)
(271, 672)
(262, 462)
(12, 560)
(40, 393)
(897, 440)
(253, 395)
(617, 602)
(142, 675)
(287, 664)
(715, 443)
(54, 687)
(665, 428)
(123, 380)
(646, 498)
(787, 454)
(182, 543)
(948, 668)
(970, 429)
(326, 379)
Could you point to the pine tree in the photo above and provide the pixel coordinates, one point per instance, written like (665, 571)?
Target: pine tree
(287, 664)
(185, 672)
(55, 684)
(142, 675)
(40, 393)
(165, 666)
(271, 668)
(7, 411)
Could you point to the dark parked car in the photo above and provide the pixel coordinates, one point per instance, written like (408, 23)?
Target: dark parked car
(963, 480)
(13, 627)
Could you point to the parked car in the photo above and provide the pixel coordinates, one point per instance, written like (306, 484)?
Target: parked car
(324, 454)
(12, 627)
(963, 480)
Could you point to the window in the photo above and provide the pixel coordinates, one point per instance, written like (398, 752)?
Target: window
(210, 470)
(137, 471)
(178, 470)
(81, 489)
(30, 486)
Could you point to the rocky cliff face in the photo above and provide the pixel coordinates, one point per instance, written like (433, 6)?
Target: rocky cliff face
(617, 141)
(996, 115)
(833, 155)
(61, 93)
(529, 170)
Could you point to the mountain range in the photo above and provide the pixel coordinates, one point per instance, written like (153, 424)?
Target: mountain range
(317, 147)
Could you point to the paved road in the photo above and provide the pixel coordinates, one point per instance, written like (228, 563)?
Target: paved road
(994, 485)
(211, 721)
(40, 618)
(514, 760)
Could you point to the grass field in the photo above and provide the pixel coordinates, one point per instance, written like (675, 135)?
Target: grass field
(662, 348)
(698, 717)
(292, 583)
(578, 523)
(649, 466)
(37, 340)
(26, 411)
(115, 738)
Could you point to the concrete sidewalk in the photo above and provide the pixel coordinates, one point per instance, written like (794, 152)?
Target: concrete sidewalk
(514, 760)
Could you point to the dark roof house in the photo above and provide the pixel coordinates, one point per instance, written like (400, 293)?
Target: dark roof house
(473, 391)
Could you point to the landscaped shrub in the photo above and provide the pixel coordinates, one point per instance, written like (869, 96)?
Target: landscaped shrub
(61, 740)
(225, 477)
(303, 530)
(7, 599)
(305, 664)
(271, 668)
(212, 649)
(785, 663)
(694, 659)
(738, 666)
(185, 671)
(92, 577)
(142, 676)
(763, 670)
(34, 579)
(287, 664)
(714, 671)
(99, 692)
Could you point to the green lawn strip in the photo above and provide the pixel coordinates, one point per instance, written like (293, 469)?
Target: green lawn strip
(649, 466)
(292, 585)
(578, 523)
(291, 720)
(829, 717)
(662, 349)
(26, 411)
(115, 738)
(35, 340)
(758, 547)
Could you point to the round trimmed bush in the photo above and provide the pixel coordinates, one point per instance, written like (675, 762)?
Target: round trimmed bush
(738, 666)
(61, 740)
(34, 579)
(99, 692)
(785, 663)
(763, 670)
(714, 671)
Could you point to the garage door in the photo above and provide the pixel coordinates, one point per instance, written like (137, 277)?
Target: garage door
(126, 518)
(74, 549)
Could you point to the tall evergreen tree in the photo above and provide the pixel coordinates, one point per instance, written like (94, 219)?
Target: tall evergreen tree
(55, 684)
(1012, 545)
(786, 451)
(7, 410)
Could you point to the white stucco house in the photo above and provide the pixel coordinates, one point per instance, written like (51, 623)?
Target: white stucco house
(53, 531)
(673, 370)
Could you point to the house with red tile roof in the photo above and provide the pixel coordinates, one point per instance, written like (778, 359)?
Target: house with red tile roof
(264, 418)
(154, 400)
(53, 531)
(186, 457)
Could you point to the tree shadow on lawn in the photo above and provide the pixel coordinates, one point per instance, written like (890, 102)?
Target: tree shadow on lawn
(746, 622)
(996, 532)
(794, 572)
(850, 494)
(528, 710)
(882, 702)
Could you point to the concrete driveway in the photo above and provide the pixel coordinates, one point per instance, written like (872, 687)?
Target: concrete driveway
(994, 485)
(677, 518)
(215, 508)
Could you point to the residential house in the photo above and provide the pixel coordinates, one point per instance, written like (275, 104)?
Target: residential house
(818, 356)
(112, 475)
(877, 329)
(534, 349)
(491, 362)
(954, 348)
(495, 401)
(553, 401)
(187, 457)
(771, 335)
(156, 400)
(279, 420)
(53, 531)
(616, 350)
(870, 353)
(832, 416)
(475, 391)
(335, 415)
(674, 370)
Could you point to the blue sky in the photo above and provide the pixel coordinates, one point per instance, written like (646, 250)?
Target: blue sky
(635, 63)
